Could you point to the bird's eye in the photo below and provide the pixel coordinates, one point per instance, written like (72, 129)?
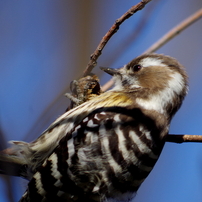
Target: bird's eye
(136, 68)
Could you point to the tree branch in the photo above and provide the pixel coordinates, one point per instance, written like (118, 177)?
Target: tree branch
(107, 85)
(137, 29)
(183, 138)
(93, 58)
(175, 31)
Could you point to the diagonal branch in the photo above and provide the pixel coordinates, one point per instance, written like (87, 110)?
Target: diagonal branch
(183, 138)
(131, 38)
(93, 58)
(175, 31)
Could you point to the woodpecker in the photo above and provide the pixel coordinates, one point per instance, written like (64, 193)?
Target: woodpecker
(103, 149)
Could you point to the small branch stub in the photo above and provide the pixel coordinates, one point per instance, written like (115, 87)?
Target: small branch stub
(183, 138)
(175, 31)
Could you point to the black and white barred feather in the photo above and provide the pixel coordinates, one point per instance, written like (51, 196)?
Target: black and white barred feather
(103, 149)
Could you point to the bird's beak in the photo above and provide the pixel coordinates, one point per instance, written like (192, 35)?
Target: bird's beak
(110, 70)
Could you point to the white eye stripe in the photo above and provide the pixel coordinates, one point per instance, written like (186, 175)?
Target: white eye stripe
(149, 61)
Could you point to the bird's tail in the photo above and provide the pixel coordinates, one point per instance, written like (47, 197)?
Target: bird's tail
(12, 160)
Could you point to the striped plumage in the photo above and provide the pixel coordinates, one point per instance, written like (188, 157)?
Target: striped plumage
(103, 149)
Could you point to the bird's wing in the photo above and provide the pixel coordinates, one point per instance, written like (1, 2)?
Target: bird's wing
(105, 154)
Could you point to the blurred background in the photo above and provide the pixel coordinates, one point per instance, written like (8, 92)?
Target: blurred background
(46, 44)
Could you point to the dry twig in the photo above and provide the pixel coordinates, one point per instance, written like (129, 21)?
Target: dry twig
(107, 85)
(93, 58)
(183, 138)
(137, 30)
(175, 31)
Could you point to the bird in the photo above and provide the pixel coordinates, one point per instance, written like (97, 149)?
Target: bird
(103, 149)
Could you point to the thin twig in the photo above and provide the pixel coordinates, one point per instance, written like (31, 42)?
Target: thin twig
(183, 138)
(93, 59)
(175, 31)
(107, 85)
(131, 38)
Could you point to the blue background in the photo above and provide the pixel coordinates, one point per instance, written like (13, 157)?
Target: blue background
(46, 44)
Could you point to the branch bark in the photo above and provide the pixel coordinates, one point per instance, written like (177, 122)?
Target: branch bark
(93, 58)
(183, 138)
(175, 31)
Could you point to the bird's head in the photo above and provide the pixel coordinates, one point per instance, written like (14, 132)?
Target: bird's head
(160, 79)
